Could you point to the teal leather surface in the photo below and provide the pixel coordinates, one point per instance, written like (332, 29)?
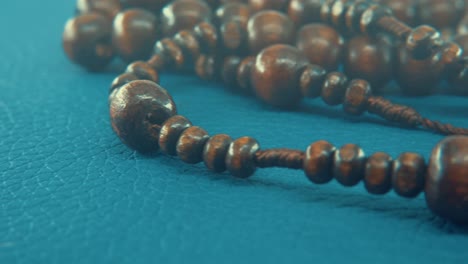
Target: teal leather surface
(70, 192)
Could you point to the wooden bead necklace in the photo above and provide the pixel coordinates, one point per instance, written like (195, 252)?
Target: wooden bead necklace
(144, 116)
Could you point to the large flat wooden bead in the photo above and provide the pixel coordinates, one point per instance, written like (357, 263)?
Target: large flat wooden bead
(349, 165)
(408, 174)
(447, 179)
(191, 143)
(87, 41)
(334, 88)
(276, 75)
(134, 34)
(267, 28)
(318, 162)
(321, 44)
(215, 151)
(378, 173)
(137, 110)
(170, 133)
(240, 157)
(183, 14)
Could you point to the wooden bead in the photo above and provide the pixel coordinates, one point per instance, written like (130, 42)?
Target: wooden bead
(109, 8)
(207, 36)
(189, 45)
(441, 13)
(302, 12)
(183, 14)
(233, 12)
(318, 162)
(134, 34)
(229, 70)
(87, 41)
(404, 10)
(170, 133)
(422, 40)
(267, 28)
(408, 174)
(171, 53)
(258, 5)
(378, 173)
(371, 16)
(121, 80)
(462, 28)
(312, 80)
(240, 157)
(371, 59)
(321, 44)
(349, 165)
(154, 6)
(451, 55)
(191, 143)
(357, 93)
(137, 110)
(215, 151)
(354, 14)
(338, 13)
(334, 88)
(207, 67)
(326, 11)
(243, 74)
(276, 74)
(234, 38)
(446, 186)
(143, 71)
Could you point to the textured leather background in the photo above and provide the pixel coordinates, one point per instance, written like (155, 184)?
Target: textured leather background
(70, 192)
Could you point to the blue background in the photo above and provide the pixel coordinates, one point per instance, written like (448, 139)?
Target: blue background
(70, 192)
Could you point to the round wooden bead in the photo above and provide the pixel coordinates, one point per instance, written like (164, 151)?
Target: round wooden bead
(321, 44)
(243, 74)
(240, 157)
(258, 5)
(318, 162)
(151, 5)
(109, 8)
(191, 143)
(207, 67)
(233, 12)
(121, 80)
(207, 35)
(446, 186)
(233, 38)
(408, 174)
(378, 173)
(87, 41)
(422, 40)
(356, 96)
(304, 11)
(276, 75)
(143, 71)
(440, 13)
(137, 110)
(404, 10)
(189, 45)
(183, 14)
(170, 133)
(371, 59)
(134, 34)
(229, 70)
(215, 151)
(349, 165)
(170, 52)
(312, 80)
(267, 28)
(334, 88)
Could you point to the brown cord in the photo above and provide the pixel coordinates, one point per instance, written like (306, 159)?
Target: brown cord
(409, 117)
(394, 26)
(285, 158)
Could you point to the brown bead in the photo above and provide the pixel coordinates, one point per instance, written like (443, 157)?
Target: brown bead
(233, 12)
(441, 13)
(451, 55)
(357, 93)
(240, 157)
(312, 80)
(154, 6)
(462, 28)
(137, 110)
(170, 133)
(447, 179)
(207, 36)
(121, 80)
(109, 8)
(371, 59)
(349, 165)
(234, 38)
(183, 14)
(408, 174)
(338, 14)
(215, 151)
(304, 11)
(334, 88)
(422, 41)
(321, 44)
(243, 74)
(326, 11)
(143, 71)
(207, 67)
(354, 14)
(87, 41)
(258, 5)
(191, 143)
(134, 34)
(318, 162)
(371, 16)
(276, 75)
(378, 173)
(170, 52)
(404, 10)
(267, 28)
(229, 70)
(189, 45)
